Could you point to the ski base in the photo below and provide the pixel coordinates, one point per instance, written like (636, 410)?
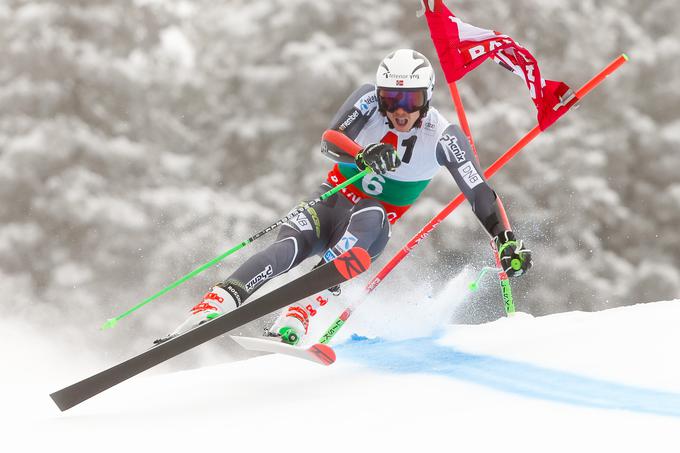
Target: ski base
(319, 353)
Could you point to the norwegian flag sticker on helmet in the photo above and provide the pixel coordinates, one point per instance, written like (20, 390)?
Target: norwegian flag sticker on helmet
(400, 83)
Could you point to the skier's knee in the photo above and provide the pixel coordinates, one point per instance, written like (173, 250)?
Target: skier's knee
(277, 259)
(369, 223)
(369, 212)
(286, 253)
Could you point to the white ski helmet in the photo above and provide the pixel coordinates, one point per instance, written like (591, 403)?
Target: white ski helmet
(407, 72)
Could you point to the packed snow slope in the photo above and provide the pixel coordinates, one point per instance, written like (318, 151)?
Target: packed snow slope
(573, 382)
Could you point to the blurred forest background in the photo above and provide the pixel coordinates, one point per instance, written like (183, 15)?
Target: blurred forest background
(141, 138)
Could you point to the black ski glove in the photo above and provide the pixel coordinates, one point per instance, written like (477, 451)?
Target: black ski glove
(380, 157)
(515, 259)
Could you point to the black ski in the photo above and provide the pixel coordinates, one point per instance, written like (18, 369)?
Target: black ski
(346, 266)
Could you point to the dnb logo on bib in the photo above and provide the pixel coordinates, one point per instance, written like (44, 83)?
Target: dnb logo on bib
(470, 175)
(300, 222)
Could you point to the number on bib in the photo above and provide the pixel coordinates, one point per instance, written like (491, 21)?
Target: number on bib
(372, 184)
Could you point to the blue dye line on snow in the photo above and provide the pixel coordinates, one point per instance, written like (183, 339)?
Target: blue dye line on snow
(424, 355)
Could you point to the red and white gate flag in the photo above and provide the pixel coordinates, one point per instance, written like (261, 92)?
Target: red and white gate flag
(462, 47)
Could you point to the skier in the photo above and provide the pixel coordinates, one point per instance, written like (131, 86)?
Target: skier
(405, 142)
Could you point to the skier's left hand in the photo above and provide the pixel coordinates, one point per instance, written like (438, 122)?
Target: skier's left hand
(515, 259)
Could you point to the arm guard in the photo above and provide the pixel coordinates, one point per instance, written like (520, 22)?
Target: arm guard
(455, 153)
(339, 147)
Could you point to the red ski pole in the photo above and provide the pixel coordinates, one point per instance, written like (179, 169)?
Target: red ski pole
(434, 223)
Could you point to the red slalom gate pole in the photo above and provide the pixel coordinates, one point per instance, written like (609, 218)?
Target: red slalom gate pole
(462, 118)
(581, 93)
(434, 223)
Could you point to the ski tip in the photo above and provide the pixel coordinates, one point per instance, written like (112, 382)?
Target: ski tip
(353, 262)
(625, 57)
(324, 353)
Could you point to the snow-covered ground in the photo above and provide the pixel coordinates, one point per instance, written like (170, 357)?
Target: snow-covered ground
(573, 382)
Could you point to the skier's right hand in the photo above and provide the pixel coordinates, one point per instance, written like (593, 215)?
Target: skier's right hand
(380, 157)
(515, 259)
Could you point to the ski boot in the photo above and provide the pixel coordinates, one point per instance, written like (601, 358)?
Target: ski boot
(291, 326)
(286, 335)
(215, 302)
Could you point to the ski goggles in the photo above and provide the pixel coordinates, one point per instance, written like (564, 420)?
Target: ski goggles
(392, 100)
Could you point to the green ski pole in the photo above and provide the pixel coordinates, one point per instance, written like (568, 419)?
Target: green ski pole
(474, 286)
(506, 290)
(110, 323)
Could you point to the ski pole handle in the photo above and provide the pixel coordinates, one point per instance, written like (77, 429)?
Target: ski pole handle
(474, 286)
(110, 323)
